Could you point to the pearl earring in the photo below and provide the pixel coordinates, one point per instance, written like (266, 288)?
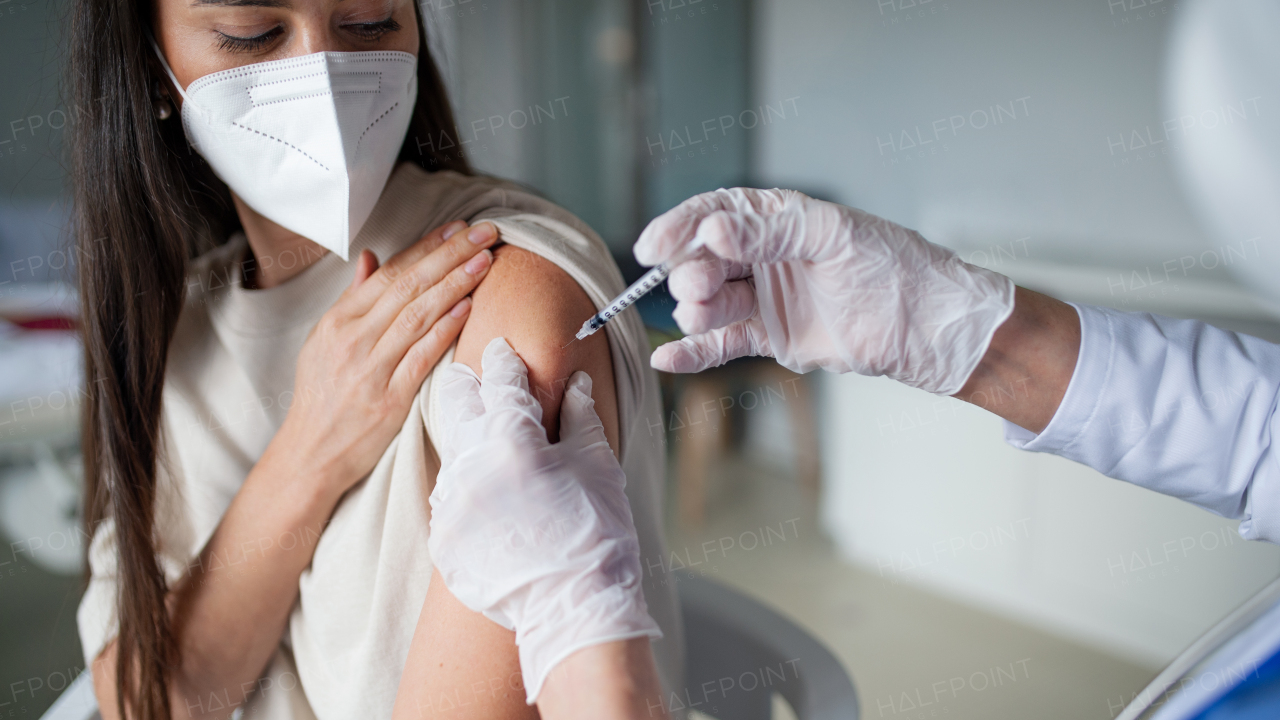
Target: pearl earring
(160, 101)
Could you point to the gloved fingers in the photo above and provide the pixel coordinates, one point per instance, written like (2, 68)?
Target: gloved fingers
(740, 237)
(697, 279)
(512, 412)
(790, 233)
(501, 364)
(700, 278)
(733, 302)
(674, 228)
(505, 380)
(711, 349)
(580, 426)
(460, 394)
(461, 406)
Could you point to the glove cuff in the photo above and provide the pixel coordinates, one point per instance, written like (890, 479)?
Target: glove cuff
(616, 613)
(967, 338)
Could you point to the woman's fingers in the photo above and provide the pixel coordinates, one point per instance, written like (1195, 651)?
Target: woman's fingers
(366, 265)
(394, 268)
(423, 354)
(417, 318)
(360, 301)
(406, 258)
(446, 261)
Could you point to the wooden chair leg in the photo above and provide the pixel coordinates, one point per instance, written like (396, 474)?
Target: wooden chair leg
(798, 398)
(698, 436)
(804, 433)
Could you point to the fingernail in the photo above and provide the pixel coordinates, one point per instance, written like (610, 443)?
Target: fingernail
(453, 228)
(481, 233)
(462, 308)
(477, 264)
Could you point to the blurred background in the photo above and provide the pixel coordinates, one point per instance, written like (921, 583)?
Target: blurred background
(893, 525)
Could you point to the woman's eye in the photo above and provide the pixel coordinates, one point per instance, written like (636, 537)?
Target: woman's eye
(248, 44)
(373, 30)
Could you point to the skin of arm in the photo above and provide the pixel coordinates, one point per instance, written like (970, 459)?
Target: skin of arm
(459, 655)
(614, 680)
(1025, 372)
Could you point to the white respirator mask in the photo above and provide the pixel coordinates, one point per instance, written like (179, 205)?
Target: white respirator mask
(307, 142)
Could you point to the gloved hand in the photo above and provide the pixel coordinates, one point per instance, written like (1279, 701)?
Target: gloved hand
(537, 537)
(820, 285)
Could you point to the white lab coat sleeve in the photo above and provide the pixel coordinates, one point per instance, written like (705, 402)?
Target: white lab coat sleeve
(1176, 406)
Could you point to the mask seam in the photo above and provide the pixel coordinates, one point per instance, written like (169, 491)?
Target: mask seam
(290, 79)
(375, 122)
(303, 77)
(282, 142)
(282, 100)
(240, 72)
(292, 62)
(330, 91)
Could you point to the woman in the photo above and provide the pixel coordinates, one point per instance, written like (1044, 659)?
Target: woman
(258, 451)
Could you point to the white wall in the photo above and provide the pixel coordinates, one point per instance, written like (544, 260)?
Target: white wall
(924, 490)
(1050, 173)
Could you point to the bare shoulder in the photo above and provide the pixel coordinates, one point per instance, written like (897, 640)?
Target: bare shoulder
(538, 307)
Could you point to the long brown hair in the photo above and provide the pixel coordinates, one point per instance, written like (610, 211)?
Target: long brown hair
(144, 204)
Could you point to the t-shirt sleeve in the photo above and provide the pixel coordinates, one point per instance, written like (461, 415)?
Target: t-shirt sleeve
(96, 618)
(1175, 406)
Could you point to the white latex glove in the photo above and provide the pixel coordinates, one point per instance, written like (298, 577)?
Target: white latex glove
(820, 285)
(537, 537)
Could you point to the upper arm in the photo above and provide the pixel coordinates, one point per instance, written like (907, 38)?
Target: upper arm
(103, 673)
(537, 308)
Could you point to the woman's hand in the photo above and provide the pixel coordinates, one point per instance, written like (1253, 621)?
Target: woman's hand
(365, 360)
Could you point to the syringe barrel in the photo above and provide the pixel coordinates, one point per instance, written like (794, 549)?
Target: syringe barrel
(641, 287)
(647, 282)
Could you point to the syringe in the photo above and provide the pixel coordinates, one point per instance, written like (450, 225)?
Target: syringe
(639, 289)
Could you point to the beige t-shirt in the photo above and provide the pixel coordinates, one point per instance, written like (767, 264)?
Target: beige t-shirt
(228, 387)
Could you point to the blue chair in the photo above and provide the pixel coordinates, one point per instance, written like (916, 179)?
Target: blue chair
(1240, 649)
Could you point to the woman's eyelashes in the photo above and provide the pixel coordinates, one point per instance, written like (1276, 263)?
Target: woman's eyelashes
(364, 32)
(373, 30)
(233, 43)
